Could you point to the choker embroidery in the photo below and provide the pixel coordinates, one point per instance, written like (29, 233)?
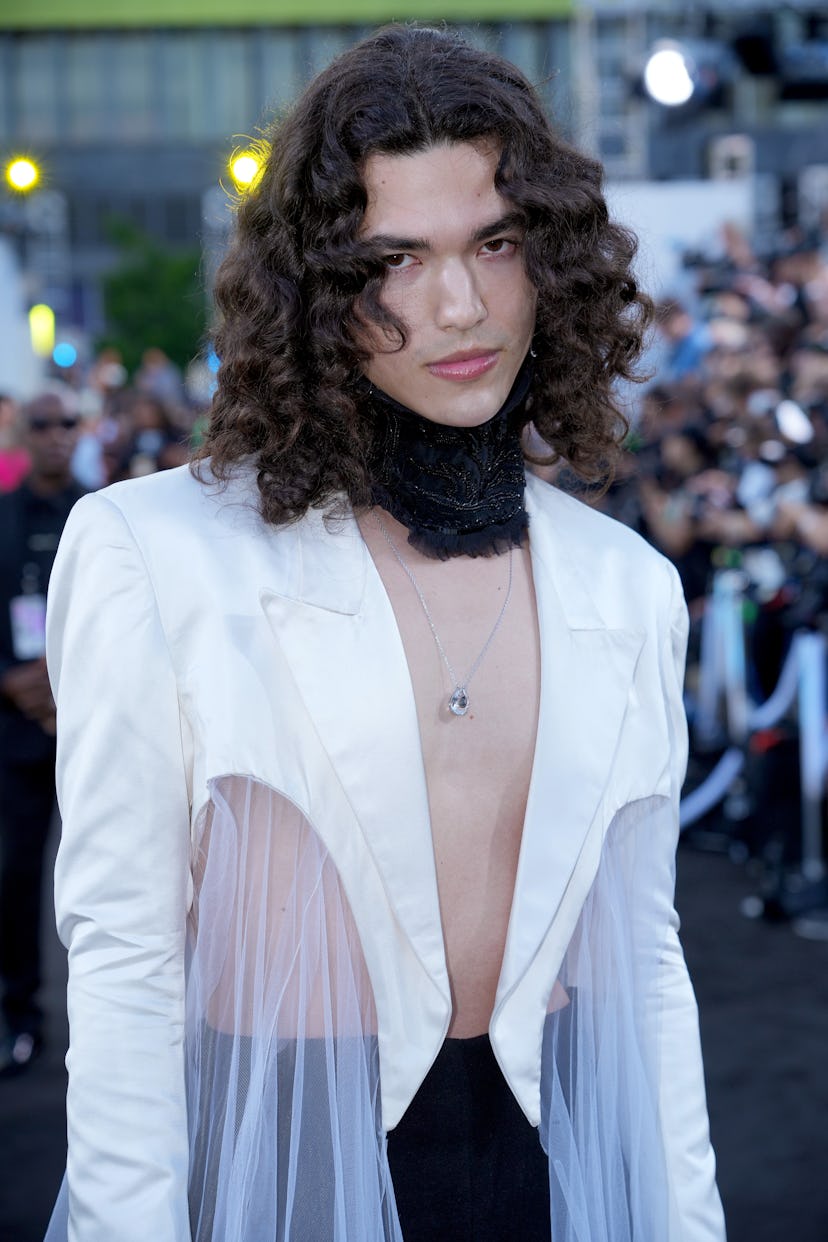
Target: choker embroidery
(458, 490)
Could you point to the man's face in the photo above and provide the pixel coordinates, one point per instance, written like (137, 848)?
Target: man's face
(51, 433)
(455, 277)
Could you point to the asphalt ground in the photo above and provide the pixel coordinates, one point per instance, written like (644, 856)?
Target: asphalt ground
(763, 999)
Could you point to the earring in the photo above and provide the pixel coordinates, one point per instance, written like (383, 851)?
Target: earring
(532, 352)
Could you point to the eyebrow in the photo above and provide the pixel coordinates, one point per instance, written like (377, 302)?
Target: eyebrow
(386, 241)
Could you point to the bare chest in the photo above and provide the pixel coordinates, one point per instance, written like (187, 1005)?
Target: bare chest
(477, 766)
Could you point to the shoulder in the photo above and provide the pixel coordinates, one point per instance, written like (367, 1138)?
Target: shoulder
(196, 537)
(592, 556)
(166, 494)
(176, 505)
(591, 536)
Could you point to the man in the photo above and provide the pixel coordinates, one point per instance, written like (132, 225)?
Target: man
(31, 522)
(689, 342)
(14, 460)
(387, 741)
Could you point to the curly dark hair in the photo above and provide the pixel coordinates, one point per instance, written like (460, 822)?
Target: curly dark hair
(298, 284)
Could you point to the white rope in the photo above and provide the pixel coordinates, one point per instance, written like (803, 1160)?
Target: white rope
(712, 789)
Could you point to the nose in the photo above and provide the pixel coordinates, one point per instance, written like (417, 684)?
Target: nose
(460, 303)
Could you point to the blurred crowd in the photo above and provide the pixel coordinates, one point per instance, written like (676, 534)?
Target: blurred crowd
(728, 464)
(728, 470)
(121, 427)
(77, 434)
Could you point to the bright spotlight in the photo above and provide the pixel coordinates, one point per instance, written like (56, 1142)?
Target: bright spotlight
(668, 77)
(245, 167)
(22, 174)
(42, 329)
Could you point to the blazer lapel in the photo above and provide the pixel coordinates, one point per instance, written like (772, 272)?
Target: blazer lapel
(341, 641)
(586, 674)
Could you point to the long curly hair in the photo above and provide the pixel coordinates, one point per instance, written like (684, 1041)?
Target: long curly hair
(298, 284)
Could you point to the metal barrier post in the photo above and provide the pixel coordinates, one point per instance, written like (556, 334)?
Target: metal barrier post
(706, 728)
(731, 585)
(812, 705)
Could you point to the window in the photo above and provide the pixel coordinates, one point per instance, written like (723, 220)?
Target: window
(130, 69)
(36, 83)
(183, 85)
(280, 71)
(87, 73)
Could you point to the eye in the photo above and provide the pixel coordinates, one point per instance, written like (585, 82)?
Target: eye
(398, 262)
(500, 245)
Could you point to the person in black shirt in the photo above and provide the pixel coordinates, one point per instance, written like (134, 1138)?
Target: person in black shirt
(31, 521)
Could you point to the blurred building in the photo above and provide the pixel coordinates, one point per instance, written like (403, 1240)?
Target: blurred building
(133, 110)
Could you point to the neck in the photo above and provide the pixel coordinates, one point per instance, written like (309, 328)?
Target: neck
(46, 485)
(457, 490)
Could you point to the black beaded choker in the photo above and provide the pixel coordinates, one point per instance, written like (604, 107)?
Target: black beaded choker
(459, 490)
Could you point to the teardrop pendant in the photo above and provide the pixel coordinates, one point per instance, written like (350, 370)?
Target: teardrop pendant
(459, 702)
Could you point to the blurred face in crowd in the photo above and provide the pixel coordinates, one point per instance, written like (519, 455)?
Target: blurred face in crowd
(148, 415)
(748, 357)
(798, 268)
(809, 368)
(680, 454)
(8, 414)
(663, 409)
(676, 325)
(729, 305)
(816, 294)
(50, 435)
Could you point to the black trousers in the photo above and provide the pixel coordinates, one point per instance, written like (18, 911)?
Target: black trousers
(466, 1164)
(27, 797)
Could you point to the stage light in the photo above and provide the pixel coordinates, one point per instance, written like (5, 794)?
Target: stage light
(669, 75)
(42, 329)
(22, 174)
(245, 167)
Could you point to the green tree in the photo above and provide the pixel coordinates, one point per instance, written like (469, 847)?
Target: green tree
(154, 297)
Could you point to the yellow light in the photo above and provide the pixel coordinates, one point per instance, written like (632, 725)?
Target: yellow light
(245, 167)
(42, 329)
(22, 174)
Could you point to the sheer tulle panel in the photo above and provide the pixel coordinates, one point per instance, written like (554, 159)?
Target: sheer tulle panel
(286, 1143)
(599, 1114)
(58, 1228)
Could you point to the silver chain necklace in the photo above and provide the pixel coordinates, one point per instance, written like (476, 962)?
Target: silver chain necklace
(458, 703)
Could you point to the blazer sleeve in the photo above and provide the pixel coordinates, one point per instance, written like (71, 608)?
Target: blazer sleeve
(682, 1103)
(121, 885)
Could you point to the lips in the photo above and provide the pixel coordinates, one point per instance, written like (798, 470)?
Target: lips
(464, 365)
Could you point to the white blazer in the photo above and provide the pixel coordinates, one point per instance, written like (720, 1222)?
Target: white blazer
(189, 646)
